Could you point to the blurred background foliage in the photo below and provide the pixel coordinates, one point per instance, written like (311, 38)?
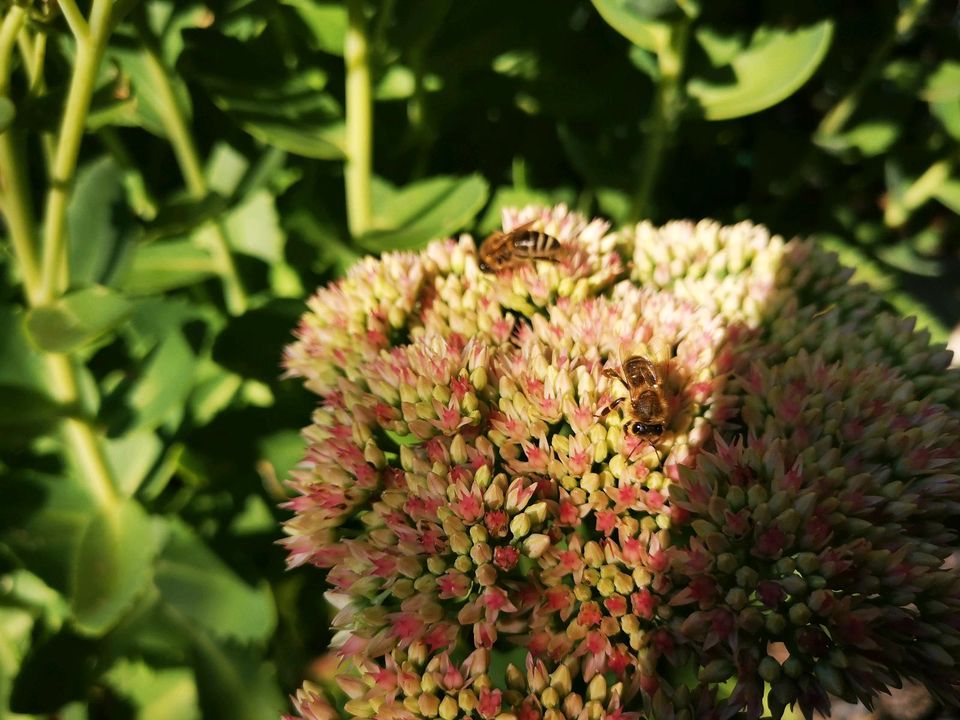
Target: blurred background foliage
(175, 180)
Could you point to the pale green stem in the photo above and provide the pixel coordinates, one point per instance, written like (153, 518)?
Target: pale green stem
(89, 54)
(15, 198)
(178, 133)
(664, 119)
(82, 443)
(838, 116)
(359, 121)
(76, 21)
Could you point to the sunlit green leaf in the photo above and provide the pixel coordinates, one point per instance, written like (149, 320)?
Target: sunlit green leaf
(943, 84)
(113, 566)
(253, 228)
(327, 22)
(638, 21)
(132, 456)
(156, 393)
(157, 694)
(146, 87)
(771, 68)
(411, 216)
(77, 318)
(949, 194)
(201, 587)
(165, 265)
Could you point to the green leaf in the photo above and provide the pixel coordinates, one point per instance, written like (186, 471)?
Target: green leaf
(77, 319)
(776, 64)
(327, 22)
(637, 21)
(948, 193)
(56, 670)
(408, 218)
(42, 520)
(270, 324)
(27, 414)
(15, 626)
(234, 684)
(943, 84)
(284, 109)
(132, 457)
(113, 567)
(166, 265)
(23, 364)
(519, 197)
(225, 169)
(157, 392)
(157, 694)
(948, 113)
(146, 88)
(870, 138)
(193, 580)
(253, 228)
(8, 113)
(96, 217)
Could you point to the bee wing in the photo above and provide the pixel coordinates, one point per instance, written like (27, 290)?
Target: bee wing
(659, 353)
(522, 227)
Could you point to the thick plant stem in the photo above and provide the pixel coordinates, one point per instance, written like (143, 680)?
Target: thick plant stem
(178, 133)
(664, 118)
(15, 201)
(359, 121)
(82, 443)
(89, 54)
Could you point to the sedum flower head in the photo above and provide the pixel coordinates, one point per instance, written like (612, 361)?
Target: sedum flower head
(498, 547)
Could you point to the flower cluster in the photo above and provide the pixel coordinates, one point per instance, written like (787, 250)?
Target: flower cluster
(499, 546)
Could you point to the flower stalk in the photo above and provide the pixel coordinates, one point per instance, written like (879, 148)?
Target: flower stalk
(664, 117)
(359, 113)
(174, 120)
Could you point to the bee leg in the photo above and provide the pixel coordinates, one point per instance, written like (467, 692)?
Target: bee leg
(608, 409)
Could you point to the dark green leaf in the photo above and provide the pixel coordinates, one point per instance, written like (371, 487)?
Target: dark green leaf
(43, 519)
(771, 68)
(247, 81)
(114, 565)
(77, 319)
(27, 413)
(234, 684)
(408, 218)
(271, 325)
(8, 112)
(193, 580)
(95, 220)
(57, 670)
(23, 364)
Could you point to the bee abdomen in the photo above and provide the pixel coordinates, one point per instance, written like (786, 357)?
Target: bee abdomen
(535, 245)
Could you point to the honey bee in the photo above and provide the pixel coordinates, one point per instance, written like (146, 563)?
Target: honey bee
(503, 250)
(643, 379)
